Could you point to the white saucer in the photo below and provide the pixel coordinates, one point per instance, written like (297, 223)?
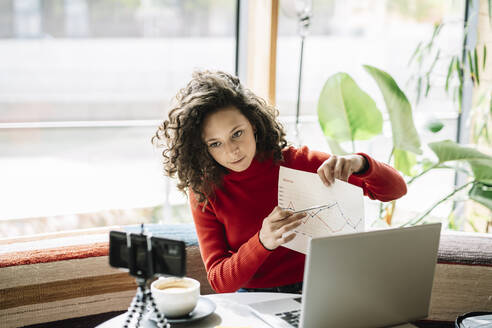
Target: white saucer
(204, 308)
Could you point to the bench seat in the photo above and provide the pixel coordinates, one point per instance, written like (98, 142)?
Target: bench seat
(65, 276)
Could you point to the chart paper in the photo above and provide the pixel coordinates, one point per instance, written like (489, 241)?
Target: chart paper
(345, 214)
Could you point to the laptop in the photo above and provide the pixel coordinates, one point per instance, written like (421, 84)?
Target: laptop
(369, 279)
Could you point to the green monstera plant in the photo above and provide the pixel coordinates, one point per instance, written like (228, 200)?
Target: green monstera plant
(347, 114)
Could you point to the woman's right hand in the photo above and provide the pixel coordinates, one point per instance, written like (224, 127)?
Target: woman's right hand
(276, 224)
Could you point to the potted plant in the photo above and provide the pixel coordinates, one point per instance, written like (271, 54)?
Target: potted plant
(347, 113)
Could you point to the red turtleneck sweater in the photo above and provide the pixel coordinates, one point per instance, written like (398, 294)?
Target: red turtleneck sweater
(228, 227)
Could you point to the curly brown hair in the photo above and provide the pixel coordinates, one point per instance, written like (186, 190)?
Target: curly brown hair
(186, 154)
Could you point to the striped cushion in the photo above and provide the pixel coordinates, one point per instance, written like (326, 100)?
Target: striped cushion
(463, 278)
(42, 281)
(51, 283)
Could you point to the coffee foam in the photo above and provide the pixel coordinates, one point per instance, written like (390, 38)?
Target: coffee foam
(175, 286)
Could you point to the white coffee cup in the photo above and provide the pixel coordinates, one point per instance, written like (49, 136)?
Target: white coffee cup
(175, 297)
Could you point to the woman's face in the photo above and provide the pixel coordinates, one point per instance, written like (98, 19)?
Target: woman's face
(230, 138)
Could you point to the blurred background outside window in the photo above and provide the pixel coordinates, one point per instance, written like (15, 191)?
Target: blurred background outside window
(83, 86)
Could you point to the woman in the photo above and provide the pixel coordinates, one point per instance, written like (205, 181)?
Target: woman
(225, 146)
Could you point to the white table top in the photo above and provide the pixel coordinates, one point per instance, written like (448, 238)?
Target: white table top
(232, 311)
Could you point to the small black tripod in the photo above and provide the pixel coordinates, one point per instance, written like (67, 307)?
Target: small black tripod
(143, 296)
(139, 303)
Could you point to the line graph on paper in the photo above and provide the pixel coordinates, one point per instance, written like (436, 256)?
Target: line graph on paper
(344, 211)
(326, 221)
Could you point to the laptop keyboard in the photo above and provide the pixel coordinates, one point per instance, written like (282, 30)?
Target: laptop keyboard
(292, 317)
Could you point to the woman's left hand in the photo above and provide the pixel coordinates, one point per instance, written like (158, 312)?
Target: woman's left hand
(341, 167)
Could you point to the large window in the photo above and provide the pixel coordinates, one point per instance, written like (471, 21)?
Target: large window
(346, 34)
(83, 86)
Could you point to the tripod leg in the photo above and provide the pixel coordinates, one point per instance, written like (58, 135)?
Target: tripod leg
(141, 307)
(161, 320)
(132, 310)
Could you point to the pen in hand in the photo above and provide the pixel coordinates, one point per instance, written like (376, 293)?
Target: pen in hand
(316, 207)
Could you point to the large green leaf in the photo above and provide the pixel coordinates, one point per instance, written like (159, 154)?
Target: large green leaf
(482, 170)
(405, 135)
(448, 150)
(405, 161)
(482, 193)
(347, 113)
(480, 163)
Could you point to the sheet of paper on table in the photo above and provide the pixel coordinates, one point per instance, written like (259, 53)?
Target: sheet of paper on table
(345, 212)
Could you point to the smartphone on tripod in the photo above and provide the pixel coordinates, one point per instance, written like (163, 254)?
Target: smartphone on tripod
(146, 256)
